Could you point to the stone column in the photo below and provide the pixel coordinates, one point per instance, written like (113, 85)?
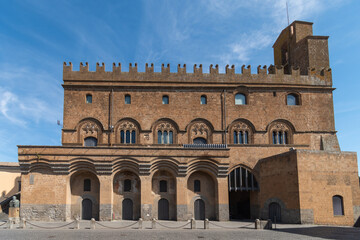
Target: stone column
(146, 198)
(181, 208)
(223, 199)
(105, 204)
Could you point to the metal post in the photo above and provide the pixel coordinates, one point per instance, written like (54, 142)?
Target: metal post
(92, 223)
(140, 223)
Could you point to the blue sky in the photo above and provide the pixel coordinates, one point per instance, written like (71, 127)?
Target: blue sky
(36, 37)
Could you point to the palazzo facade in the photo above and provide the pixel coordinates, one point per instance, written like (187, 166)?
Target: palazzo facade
(177, 145)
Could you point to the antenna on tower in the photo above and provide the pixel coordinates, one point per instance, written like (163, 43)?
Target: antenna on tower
(287, 13)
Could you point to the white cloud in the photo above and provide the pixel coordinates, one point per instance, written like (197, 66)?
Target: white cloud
(24, 110)
(242, 46)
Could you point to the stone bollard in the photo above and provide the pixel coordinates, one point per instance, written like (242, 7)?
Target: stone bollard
(92, 223)
(257, 224)
(77, 223)
(193, 223)
(153, 223)
(268, 224)
(206, 223)
(9, 224)
(140, 223)
(23, 223)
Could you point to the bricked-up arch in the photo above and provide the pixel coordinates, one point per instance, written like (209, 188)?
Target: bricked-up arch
(242, 187)
(41, 166)
(124, 127)
(241, 131)
(170, 194)
(78, 195)
(280, 131)
(127, 164)
(165, 131)
(89, 127)
(169, 164)
(200, 128)
(120, 193)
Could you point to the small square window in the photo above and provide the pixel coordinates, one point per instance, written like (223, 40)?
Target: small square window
(163, 186)
(88, 98)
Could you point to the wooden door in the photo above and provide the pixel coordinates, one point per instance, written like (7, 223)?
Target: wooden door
(199, 208)
(127, 209)
(163, 209)
(86, 209)
(275, 212)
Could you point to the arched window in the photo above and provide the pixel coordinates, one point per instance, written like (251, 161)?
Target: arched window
(165, 99)
(127, 99)
(197, 186)
(128, 132)
(88, 98)
(90, 142)
(199, 140)
(292, 99)
(240, 99)
(280, 137)
(87, 185)
(163, 186)
(127, 185)
(280, 133)
(338, 205)
(241, 133)
(203, 99)
(165, 133)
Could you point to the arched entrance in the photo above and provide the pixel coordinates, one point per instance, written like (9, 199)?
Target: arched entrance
(242, 187)
(127, 209)
(163, 209)
(275, 212)
(85, 195)
(201, 196)
(199, 209)
(126, 196)
(164, 190)
(86, 211)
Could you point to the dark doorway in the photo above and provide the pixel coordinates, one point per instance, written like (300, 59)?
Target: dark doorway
(163, 209)
(86, 209)
(275, 212)
(239, 205)
(199, 209)
(127, 209)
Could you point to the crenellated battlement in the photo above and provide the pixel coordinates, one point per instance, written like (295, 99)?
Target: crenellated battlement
(265, 75)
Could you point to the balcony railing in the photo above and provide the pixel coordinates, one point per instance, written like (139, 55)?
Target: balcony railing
(205, 146)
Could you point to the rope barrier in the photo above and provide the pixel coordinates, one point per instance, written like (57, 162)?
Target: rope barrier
(132, 224)
(50, 227)
(231, 227)
(172, 227)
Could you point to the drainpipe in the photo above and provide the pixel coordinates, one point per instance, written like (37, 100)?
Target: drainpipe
(225, 140)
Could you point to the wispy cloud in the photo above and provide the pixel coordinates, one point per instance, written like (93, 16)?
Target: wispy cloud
(274, 13)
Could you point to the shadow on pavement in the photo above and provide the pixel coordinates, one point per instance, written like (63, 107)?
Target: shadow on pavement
(327, 232)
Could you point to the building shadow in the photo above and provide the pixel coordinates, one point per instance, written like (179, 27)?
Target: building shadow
(326, 232)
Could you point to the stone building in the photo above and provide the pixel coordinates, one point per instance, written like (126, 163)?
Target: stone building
(177, 145)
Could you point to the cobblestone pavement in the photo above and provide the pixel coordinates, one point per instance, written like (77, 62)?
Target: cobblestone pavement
(168, 230)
